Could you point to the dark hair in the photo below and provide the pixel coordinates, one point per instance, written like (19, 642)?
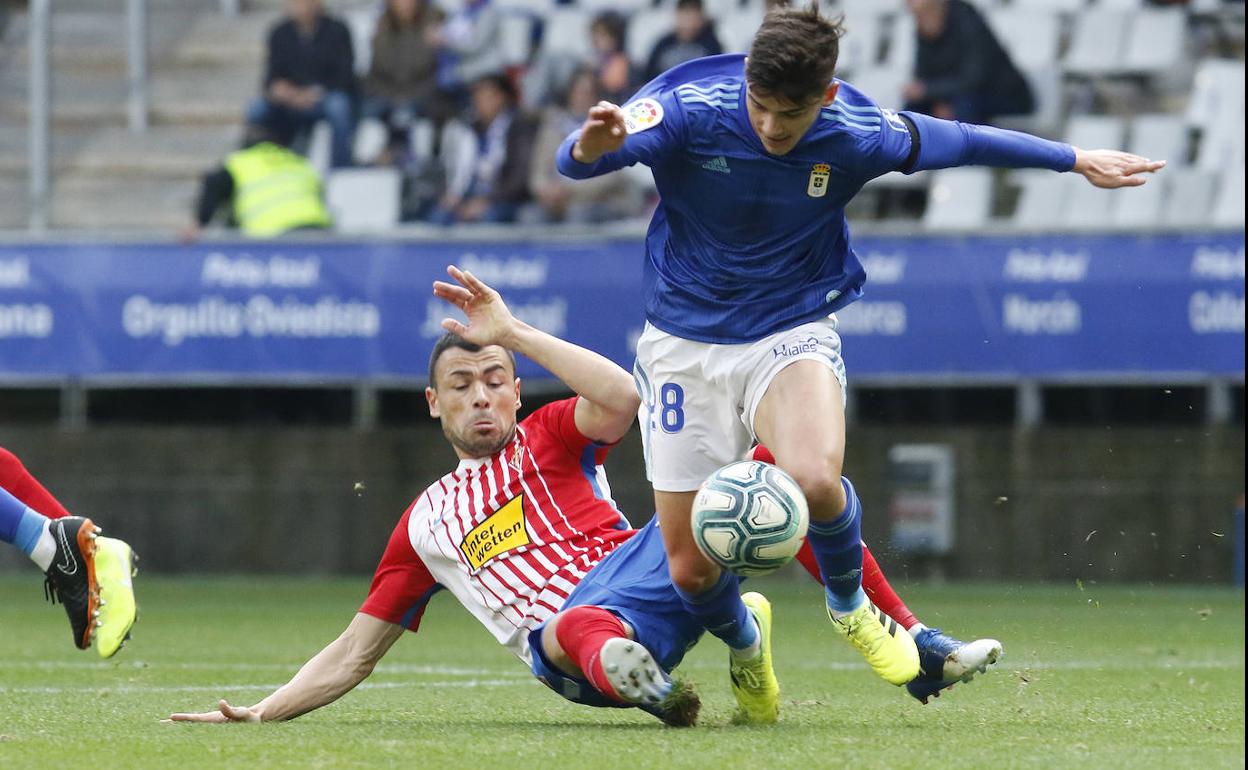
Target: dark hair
(688, 5)
(448, 341)
(501, 83)
(271, 131)
(613, 24)
(794, 53)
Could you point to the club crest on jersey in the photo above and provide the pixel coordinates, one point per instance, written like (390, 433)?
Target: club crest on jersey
(642, 114)
(502, 531)
(817, 187)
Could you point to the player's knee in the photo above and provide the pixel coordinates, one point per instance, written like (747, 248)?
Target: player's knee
(693, 573)
(821, 483)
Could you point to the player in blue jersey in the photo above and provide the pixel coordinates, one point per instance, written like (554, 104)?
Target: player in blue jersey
(747, 259)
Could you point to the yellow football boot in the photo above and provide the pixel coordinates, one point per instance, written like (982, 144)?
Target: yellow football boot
(114, 568)
(886, 645)
(754, 681)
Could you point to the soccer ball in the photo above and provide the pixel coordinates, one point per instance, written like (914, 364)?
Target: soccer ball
(750, 517)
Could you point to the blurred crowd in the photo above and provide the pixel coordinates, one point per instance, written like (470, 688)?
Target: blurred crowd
(474, 134)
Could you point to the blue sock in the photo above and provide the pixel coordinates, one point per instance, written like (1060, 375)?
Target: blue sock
(721, 611)
(19, 525)
(838, 550)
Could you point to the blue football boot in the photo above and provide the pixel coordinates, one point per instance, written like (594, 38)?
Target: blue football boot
(945, 661)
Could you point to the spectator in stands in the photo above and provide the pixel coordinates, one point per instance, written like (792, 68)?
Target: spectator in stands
(469, 46)
(488, 174)
(961, 72)
(615, 72)
(692, 38)
(559, 198)
(401, 84)
(269, 189)
(310, 76)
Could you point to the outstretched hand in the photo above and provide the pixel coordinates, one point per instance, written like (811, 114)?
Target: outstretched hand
(1111, 169)
(224, 713)
(603, 131)
(489, 320)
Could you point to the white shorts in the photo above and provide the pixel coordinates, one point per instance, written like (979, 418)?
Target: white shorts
(698, 399)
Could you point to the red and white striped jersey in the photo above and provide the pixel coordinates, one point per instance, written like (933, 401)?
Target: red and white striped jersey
(509, 535)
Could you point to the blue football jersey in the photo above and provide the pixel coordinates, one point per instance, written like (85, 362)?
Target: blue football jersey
(743, 243)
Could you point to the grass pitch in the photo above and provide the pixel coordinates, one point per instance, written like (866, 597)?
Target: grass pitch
(1101, 677)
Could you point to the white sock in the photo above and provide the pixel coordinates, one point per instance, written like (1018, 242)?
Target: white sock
(45, 547)
(751, 652)
(917, 629)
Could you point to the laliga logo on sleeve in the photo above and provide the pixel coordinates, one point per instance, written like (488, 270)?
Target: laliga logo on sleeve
(642, 114)
(817, 187)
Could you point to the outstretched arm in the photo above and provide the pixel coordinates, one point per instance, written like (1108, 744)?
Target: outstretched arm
(609, 400)
(937, 143)
(330, 674)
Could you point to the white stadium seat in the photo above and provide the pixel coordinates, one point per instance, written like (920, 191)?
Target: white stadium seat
(1040, 201)
(899, 53)
(1156, 41)
(644, 30)
(1063, 6)
(567, 31)
(1085, 207)
(959, 199)
(1161, 136)
(515, 37)
(1189, 202)
(371, 137)
(1139, 206)
(736, 30)
(1096, 132)
(1032, 36)
(1229, 209)
(1097, 42)
(860, 47)
(363, 199)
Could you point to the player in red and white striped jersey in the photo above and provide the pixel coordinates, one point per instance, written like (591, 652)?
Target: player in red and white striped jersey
(523, 533)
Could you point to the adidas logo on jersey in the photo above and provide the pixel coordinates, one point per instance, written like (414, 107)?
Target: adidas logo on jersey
(718, 163)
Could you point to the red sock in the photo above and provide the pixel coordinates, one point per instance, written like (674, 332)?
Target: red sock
(873, 581)
(882, 594)
(17, 481)
(581, 632)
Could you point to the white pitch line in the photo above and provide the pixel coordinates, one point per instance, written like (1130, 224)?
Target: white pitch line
(394, 668)
(467, 683)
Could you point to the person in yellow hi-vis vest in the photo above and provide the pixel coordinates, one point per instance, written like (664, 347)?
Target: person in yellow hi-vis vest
(269, 189)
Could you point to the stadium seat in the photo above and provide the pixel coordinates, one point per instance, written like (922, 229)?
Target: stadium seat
(1139, 206)
(959, 199)
(318, 147)
(882, 85)
(860, 48)
(362, 199)
(1229, 209)
(644, 30)
(1062, 6)
(516, 37)
(371, 136)
(622, 7)
(855, 8)
(1096, 132)
(899, 53)
(1040, 201)
(1216, 111)
(1190, 197)
(1032, 36)
(567, 32)
(1156, 41)
(736, 30)
(1097, 43)
(362, 22)
(1160, 137)
(1085, 207)
(535, 8)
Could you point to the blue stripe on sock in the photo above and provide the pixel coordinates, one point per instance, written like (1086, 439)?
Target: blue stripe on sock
(28, 531)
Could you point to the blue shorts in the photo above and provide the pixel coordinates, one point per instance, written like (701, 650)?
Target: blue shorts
(633, 583)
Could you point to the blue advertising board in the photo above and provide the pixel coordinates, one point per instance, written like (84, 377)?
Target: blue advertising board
(942, 306)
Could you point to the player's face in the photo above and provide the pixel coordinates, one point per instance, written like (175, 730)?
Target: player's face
(476, 399)
(779, 123)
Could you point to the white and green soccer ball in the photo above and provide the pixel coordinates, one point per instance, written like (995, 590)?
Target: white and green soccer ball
(750, 517)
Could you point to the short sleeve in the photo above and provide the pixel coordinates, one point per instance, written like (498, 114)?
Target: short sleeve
(655, 130)
(559, 421)
(402, 584)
